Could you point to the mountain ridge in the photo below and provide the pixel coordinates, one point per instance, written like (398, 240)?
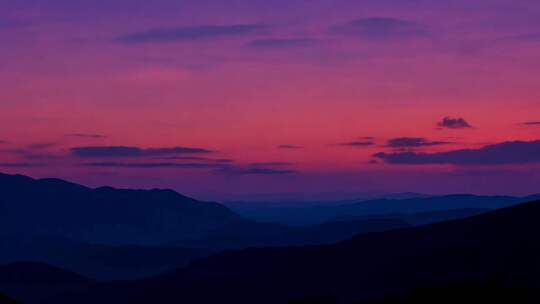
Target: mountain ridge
(496, 246)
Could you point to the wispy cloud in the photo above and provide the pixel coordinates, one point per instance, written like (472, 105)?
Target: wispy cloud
(383, 29)
(152, 165)
(531, 37)
(532, 123)
(290, 147)
(20, 165)
(454, 123)
(84, 135)
(356, 144)
(413, 142)
(123, 151)
(36, 151)
(192, 33)
(42, 146)
(282, 43)
(196, 158)
(271, 164)
(255, 171)
(259, 168)
(514, 152)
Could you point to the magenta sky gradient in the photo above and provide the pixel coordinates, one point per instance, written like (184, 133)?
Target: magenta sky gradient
(286, 96)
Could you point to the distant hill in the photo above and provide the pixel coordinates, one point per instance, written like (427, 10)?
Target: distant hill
(310, 215)
(103, 262)
(109, 233)
(272, 234)
(499, 250)
(56, 208)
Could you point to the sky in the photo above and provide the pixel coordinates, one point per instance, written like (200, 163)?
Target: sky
(223, 98)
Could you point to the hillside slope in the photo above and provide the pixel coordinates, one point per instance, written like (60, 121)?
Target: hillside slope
(500, 247)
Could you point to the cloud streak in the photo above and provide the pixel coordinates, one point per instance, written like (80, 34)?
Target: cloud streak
(413, 142)
(255, 171)
(193, 33)
(290, 147)
(20, 165)
(454, 123)
(282, 43)
(356, 144)
(152, 165)
(260, 168)
(83, 135)
(383, 29)
(123, 151)
(514, 152)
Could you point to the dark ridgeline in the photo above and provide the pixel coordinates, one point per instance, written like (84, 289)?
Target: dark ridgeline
(497, 253)
(489, 256)
(56, 208)
(103, 262)
(404, 209)
(108, 233)
(271, 234)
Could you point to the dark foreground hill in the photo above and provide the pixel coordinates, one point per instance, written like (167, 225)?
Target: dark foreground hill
(6, 300)
(499, 250)
(56, 208)
(108, 233)
(35, 281)
(103, 262)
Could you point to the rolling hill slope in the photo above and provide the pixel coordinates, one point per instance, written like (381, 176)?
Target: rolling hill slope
(500, 248)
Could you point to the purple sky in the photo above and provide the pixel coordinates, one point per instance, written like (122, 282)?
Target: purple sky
(253, 96)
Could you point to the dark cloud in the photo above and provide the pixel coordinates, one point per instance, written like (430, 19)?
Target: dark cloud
(121, 151)
(454, 123)
(20, 165)
(533, 37)
(195, 158)
(292, 147)
(532, 123)
(383, 28)
(41, 146)
(37, 151)
(515, 152)
(260, 168)
(165, 35)
(9, 24)
(413, 142)
(83, 135)
(224, 160)
(152, 165)
(357, 144)
(264, 171)
(282, 43)
(270, 164)
(255, 171)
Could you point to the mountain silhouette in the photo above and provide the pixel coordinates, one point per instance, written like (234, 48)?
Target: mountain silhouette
(56, 208)
(499, 250)
(109, 233)
(103, 262)
(272, 234)
(377, 208)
